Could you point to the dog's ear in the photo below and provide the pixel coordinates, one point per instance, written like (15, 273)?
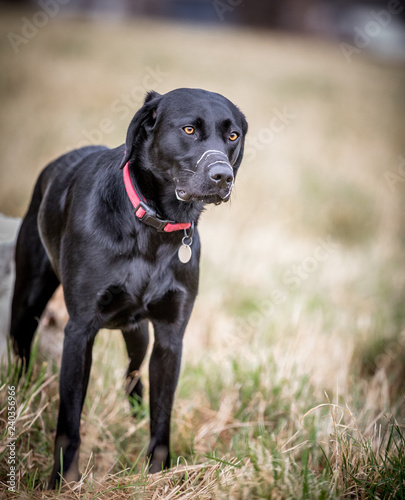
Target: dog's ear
(240, 149)
(141, 124)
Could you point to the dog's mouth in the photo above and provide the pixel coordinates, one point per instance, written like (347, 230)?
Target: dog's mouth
(216, 199)
(210, 181)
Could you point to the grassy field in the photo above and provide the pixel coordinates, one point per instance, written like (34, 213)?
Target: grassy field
(293, 378)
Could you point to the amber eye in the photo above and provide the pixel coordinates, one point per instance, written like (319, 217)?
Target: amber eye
(233, 136)
(189, 130)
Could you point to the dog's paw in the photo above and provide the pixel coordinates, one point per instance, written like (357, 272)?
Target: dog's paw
(159, 459)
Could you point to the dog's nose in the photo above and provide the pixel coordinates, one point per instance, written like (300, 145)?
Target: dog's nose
(221, 175)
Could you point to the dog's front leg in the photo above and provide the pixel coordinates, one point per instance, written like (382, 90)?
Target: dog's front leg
(74, 377)
(164, 368)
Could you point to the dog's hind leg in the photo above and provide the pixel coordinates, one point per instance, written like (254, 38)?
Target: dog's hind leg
(136, 340)
(35, 282)
(73, 382)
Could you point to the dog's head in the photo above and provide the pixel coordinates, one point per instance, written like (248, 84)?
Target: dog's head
(191, 138)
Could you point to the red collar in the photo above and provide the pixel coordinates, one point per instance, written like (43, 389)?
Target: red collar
(145, 213)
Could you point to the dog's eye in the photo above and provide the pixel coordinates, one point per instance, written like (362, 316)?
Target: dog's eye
(189, 130)
(233, 136)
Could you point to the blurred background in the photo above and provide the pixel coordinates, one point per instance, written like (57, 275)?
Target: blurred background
(304, 268)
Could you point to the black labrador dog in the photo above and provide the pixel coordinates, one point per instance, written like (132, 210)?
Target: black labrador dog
(118, 229)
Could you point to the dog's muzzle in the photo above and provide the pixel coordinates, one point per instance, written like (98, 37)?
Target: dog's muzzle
(216, 175)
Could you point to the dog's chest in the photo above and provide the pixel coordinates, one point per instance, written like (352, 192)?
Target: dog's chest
(141, 290)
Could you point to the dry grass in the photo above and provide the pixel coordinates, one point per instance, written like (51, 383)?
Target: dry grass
(293, 375)
(183, 481)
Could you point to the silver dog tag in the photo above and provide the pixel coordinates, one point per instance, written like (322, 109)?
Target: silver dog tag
(184, 253)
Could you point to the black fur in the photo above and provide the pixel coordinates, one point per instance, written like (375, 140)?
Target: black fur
(80, 230)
